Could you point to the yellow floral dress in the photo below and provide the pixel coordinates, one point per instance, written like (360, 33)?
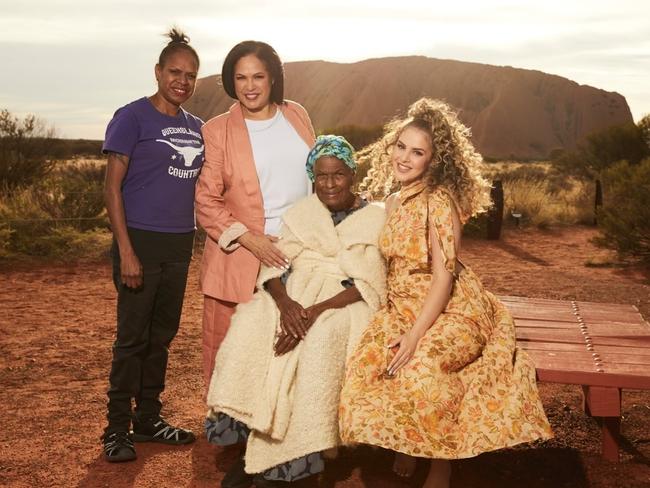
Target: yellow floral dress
(468, 389)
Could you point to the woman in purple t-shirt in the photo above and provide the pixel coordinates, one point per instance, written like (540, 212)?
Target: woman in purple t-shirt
(155, 152)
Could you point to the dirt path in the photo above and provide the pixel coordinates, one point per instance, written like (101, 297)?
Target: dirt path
(56, 328)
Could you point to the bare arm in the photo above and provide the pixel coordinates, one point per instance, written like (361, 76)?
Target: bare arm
(434, 303)
(340, 300)
(130, 267)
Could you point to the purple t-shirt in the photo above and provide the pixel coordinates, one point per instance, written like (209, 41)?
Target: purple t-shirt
(165, 156)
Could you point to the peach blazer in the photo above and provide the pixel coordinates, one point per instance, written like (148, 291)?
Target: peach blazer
(229, 201)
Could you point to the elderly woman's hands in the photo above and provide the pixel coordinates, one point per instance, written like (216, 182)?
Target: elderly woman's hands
(292, 318)
(292, 314)
(287, 342)
(263, 248)
(312, 313)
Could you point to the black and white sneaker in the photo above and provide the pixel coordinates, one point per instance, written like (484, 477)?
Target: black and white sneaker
(118, 447)
(157, 430)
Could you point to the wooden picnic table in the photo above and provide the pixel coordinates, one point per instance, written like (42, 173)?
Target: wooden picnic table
(603, 347)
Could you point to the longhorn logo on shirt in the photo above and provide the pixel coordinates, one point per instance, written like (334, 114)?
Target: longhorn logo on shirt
(189, 153)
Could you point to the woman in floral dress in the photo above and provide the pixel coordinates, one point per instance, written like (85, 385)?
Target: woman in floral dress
(437, 373)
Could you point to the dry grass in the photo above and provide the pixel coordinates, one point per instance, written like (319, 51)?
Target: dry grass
(82, 161)
(542, 195)
(62, 216)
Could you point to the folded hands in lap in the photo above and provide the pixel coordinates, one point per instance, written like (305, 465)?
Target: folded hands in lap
(295, 321)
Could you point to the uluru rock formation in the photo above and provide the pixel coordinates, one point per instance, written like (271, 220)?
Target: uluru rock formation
(512, 112)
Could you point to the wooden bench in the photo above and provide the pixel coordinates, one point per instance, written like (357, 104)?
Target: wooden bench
(601, 346)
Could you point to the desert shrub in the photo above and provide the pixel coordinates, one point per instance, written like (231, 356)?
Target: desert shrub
(644, 125)
(20, 205)
(47, 208)
(73, 148)
(555, 180)
(476, 226)
(74, 192)
(576, 205)
(528, 197)
(61, 217)
(543, 206)
(625, 216)
(25, 147)
(543, 195)
(67, 242)
(25, 221)
(604, 148)
(53, 240)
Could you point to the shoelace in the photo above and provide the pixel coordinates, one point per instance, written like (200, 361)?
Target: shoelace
(117, 440)
(166, 431)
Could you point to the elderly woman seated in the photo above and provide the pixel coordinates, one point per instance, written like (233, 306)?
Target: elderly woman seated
(279, 371)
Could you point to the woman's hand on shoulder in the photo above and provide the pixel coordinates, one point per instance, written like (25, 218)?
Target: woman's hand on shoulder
(264, 249)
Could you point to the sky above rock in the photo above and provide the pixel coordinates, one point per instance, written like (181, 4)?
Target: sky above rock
(73, 62)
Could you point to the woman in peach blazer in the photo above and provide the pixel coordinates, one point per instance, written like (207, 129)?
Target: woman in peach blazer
(231, 190)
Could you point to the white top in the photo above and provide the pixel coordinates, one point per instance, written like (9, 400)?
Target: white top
(280, 156)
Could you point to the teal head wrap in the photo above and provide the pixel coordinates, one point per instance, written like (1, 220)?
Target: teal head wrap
(330, 145)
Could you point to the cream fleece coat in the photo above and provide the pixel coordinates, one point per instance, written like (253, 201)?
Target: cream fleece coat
(291, 402)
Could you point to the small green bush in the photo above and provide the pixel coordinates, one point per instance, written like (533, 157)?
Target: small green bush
(476, 226)
(25, 148)
(605, 148)
(625, 216)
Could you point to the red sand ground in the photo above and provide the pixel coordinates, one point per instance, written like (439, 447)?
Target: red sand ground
(56, 328)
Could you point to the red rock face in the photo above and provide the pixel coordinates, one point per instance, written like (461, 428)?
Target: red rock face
(513, 113)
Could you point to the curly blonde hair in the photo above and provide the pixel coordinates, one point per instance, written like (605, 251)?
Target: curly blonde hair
(455, 164)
